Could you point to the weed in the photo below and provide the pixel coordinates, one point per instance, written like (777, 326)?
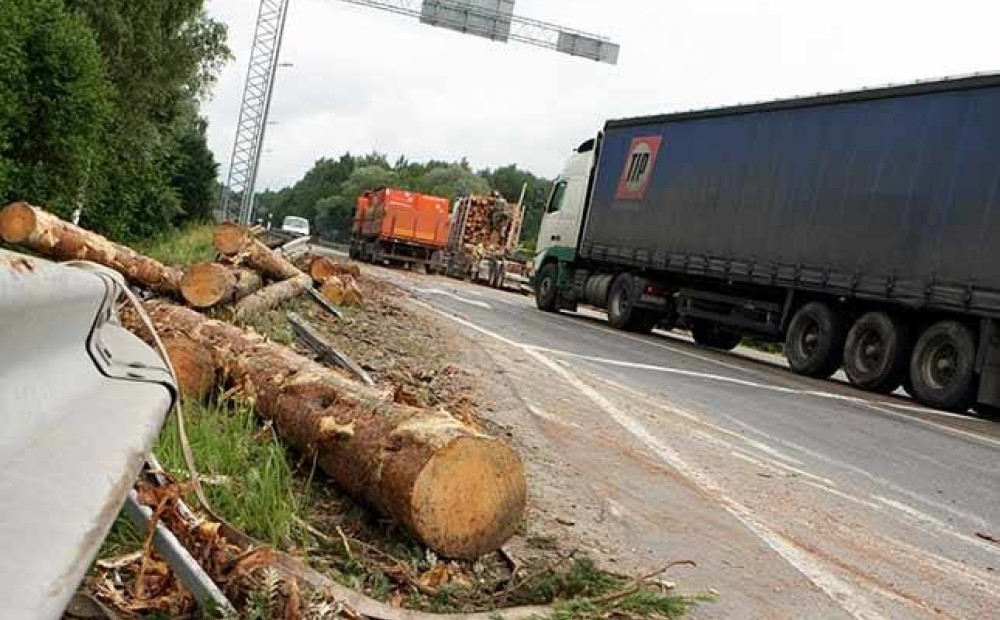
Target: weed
(256, 492)
(189, 245)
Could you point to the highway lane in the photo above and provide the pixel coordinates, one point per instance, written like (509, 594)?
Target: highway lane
(892, 503)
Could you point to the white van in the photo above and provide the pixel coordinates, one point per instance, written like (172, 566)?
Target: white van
(298, 226)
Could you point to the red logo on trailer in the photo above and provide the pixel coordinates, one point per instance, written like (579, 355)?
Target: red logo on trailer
(638, 168)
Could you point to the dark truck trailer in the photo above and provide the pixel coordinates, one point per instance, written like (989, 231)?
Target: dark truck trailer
(860, 228)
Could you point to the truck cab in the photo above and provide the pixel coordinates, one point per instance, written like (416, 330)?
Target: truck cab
(561, 224)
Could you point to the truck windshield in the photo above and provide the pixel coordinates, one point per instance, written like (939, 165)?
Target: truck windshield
(558, 194)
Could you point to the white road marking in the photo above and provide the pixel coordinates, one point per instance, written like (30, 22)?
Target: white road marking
(856, 400)
(444, 293)
(937, 524)
(838, 590)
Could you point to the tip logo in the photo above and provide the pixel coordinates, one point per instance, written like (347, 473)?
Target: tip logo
(638, 168)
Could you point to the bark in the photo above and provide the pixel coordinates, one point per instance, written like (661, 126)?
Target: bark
(31, 227)
(459, 491)
(236, 243)
(272, 295)
(205, 285)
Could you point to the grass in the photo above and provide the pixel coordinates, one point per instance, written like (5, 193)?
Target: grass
(250, 478)
(184, 247)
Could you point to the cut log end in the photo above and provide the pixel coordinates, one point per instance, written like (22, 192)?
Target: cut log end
(230, 238)
(17, 221)
(487, 478)
(205, 284)
(333, 289)
(193, 366)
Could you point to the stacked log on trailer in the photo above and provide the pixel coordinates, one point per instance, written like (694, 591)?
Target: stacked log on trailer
(458, 490)
(488, 224)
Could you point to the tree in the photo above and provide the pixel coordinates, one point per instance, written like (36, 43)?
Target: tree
(159, 58)
(53, 103)
(193, 168)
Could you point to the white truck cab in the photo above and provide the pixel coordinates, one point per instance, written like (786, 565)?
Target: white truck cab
(563, 217)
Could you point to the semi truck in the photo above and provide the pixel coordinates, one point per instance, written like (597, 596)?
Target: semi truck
(398, 226)
(860, 229)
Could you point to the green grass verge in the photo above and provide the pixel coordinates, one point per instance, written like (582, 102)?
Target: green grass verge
(249, 478)
(184, 247)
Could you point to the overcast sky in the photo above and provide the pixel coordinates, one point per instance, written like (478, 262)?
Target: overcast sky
(367, 80)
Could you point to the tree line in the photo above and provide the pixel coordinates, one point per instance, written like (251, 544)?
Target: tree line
(328, 192)
(99, 110)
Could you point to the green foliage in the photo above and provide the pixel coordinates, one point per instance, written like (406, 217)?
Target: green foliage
(52, 103)
(192, 244)
(255, 488)
(98, 108)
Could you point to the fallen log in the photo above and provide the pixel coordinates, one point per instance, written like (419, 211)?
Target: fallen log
(38, 230)
(205, 285)
(273, 294)
(459, 491)
(322, 269)
(237, 244)
(192, 365)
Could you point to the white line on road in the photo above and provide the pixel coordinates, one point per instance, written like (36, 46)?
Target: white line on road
(857, 400)
(838, 590)
(444, 293)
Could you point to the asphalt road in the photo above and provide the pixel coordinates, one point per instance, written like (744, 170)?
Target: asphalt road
(887, 508)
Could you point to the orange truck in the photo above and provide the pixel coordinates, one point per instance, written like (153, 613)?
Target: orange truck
(397, 226)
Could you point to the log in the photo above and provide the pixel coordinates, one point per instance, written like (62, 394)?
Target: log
(272, 295)
(192, 365)
(205, 285)
(236, 243)
(459, 491)
(34, 228)
(322, 268)
(333, 290)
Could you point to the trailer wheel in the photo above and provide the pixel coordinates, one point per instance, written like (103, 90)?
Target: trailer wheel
(943, 366)
(877, 352)
(709, 334)
(547, 288)
(622, 313)
(814, 344)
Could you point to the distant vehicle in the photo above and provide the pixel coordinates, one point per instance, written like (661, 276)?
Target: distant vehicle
(482, 244)
(861, 229)
(398, 226)
(294, 225)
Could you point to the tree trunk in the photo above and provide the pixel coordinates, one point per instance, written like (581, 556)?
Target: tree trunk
(272, 295)
(461, 492)
(321, 269)
(236, 243)
(193, 366)
(31, 227)
(205, 285)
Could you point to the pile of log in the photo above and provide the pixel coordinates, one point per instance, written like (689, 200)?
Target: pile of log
(490, 222)
(458, 490)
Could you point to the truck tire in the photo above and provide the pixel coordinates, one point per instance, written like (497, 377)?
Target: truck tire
(622, 313)
(943, 367)
(877, 352)
(709, 334)
(547, 288)
(814, 344)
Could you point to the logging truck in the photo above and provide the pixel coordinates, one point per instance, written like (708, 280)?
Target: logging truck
(482, 243)
(858, 229)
